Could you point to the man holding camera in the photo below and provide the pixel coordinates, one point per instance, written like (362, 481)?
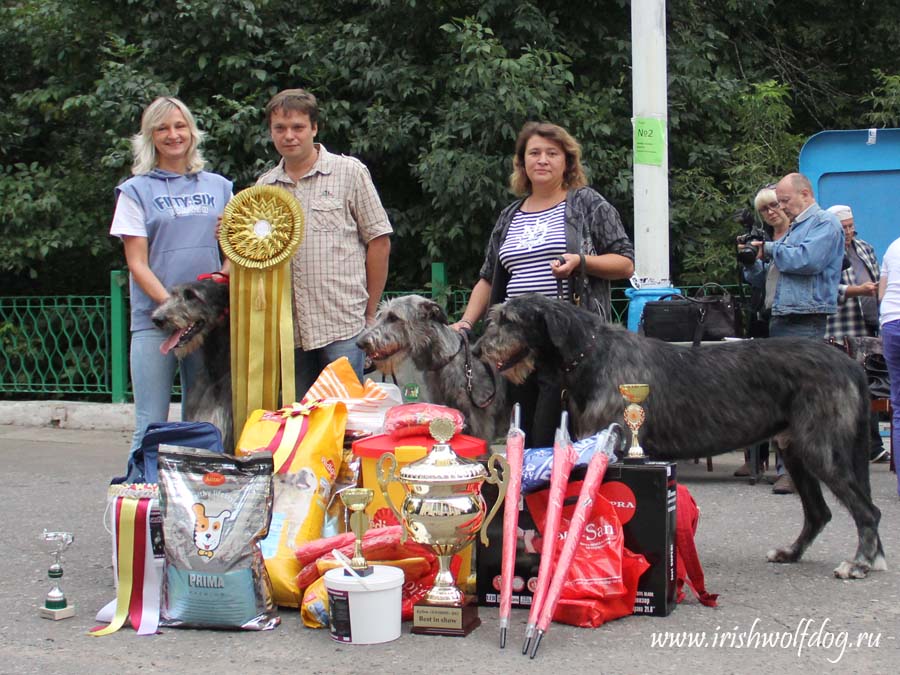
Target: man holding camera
(808, 259)
(857, 314)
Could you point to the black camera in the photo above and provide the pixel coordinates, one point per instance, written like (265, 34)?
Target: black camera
(747, 253)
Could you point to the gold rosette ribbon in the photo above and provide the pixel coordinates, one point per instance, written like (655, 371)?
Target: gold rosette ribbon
(261, 229)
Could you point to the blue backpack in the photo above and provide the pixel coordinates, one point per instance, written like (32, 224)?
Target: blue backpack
(142, 467)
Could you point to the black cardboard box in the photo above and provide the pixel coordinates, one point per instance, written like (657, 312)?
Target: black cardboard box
(644, 498)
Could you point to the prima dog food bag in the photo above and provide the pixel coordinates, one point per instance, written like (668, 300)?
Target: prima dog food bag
(215, 509)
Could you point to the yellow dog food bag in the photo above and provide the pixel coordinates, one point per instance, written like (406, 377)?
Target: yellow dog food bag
(306, 441)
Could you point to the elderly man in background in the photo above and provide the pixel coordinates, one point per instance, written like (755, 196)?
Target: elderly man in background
(808, 259)
(857, 314)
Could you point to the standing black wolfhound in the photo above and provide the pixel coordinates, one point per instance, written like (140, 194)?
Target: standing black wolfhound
(414, 327)
(809, 396)
(196, 314)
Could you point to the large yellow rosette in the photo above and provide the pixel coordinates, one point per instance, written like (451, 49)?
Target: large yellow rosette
(262, 227)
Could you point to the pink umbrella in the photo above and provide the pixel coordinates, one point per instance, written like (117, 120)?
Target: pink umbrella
(515, 447)
(586, 499)
(564, 457)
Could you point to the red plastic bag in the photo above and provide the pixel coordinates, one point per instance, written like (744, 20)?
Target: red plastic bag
(596, 570)
(688, 569)
(590, 613)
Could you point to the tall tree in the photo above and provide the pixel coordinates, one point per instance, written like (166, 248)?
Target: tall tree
(430, 95)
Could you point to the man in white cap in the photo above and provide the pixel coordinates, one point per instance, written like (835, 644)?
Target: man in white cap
(857, 314)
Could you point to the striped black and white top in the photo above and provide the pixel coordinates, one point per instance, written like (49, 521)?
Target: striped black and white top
(532, 241)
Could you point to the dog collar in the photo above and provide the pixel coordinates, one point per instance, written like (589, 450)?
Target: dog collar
(218, 277)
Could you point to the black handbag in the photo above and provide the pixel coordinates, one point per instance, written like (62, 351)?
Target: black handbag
(869, 353)
(678, 318)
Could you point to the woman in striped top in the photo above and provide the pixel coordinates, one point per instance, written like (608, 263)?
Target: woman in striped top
(557, 217)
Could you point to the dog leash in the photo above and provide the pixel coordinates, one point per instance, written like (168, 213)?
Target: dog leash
(468, 371)
(578, 359)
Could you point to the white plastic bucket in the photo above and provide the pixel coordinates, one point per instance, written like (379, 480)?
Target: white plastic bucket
(364, 614)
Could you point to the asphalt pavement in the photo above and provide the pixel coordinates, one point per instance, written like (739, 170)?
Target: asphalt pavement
(770, 618)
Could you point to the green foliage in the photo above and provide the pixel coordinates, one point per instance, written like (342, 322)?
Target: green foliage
(430, 95)
(884, 101)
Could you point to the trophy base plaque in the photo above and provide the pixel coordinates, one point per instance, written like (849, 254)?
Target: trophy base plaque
(452, 620)
(57, 614)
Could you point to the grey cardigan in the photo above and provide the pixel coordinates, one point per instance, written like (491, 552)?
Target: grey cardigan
(593, 227)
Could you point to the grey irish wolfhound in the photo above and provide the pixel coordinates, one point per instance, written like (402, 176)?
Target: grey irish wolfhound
(196, 314)
(414, 327)
(706, 400)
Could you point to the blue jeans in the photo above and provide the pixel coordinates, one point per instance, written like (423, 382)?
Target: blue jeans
(890, 337)
(796, 325)
(308, 364)
(152, 377)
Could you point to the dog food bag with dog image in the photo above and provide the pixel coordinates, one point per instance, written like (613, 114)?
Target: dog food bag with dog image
(215, 509)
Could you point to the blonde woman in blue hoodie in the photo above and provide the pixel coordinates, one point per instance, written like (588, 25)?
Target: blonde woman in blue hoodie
(166, 216)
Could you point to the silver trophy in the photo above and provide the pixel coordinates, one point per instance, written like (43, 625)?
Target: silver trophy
(55, 605)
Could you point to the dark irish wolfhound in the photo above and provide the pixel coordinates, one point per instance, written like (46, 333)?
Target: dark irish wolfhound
(813, 399)
(414, 327)
(196, 314)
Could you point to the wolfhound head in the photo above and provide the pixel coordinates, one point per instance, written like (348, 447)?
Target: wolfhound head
(192, 312)
(527, 330)
(407, 326)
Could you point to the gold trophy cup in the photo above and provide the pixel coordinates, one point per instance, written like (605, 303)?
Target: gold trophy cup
(55, 605)
(443, 508)
(356, 500)
(634, 416)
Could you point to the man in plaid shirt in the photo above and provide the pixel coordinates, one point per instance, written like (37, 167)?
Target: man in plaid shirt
(340, 268)
(857, 314)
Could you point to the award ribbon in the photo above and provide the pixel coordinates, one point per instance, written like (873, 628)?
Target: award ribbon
(125, 518)
(138, 572)
(262, 227)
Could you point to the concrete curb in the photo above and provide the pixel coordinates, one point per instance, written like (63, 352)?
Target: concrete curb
(73, 414)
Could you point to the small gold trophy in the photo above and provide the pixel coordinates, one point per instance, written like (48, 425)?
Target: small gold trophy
(55, 605)
(356, 500)
(635, 394)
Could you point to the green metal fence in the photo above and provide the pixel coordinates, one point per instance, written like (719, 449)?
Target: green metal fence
(77, 345)
(55, 345)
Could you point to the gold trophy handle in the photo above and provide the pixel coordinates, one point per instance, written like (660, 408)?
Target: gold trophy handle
(385, 481)
(494, 464)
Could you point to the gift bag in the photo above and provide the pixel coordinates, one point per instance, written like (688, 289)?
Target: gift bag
(366, 406)
(602, 583)
(596, 570)
(306, 441)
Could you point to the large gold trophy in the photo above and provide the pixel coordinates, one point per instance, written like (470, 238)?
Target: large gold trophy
(634, 416)
(443, 508)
